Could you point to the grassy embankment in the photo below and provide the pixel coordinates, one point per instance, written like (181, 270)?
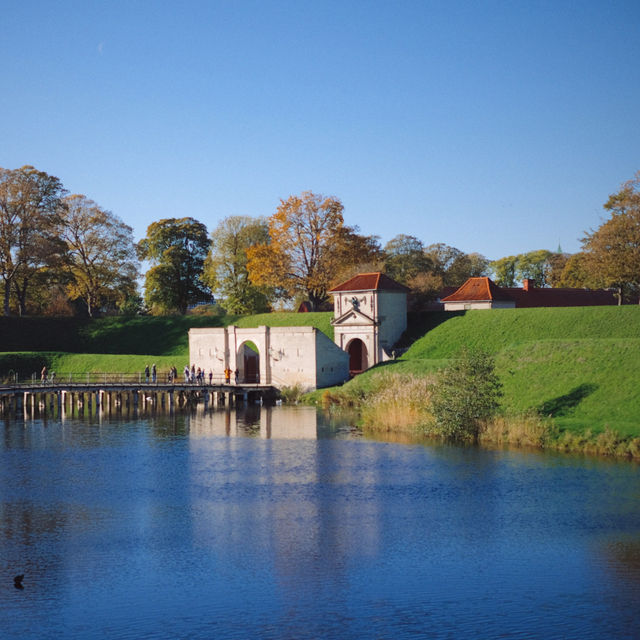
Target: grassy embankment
(117, 344)
(565, 373)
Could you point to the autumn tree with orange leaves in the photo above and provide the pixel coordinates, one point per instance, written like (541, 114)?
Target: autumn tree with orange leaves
(308, 246)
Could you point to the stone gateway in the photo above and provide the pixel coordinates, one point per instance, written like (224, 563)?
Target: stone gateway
(370, 315)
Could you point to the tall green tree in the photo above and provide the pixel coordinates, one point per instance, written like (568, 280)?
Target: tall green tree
(30, 208)
(534, 265)
(101, 256)
(405, 258)
(177, 249)
(225, 268)
(454, 265)
(613, 250)
(503, 271)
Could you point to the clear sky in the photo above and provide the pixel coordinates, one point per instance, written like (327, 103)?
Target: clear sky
(498, 127)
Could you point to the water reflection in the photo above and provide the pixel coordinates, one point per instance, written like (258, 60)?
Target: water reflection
(277, 522)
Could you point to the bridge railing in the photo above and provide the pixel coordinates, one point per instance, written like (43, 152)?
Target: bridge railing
(13, 379)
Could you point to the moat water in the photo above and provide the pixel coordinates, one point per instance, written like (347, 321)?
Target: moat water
(277, 523)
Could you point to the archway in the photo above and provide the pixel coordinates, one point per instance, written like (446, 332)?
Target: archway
(358, 361)
(248, 363)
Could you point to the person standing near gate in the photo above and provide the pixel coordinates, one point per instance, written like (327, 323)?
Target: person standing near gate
(146, 374)
(154, 373)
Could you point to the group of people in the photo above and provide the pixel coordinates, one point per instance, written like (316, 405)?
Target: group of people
(154, 374)
(192, 375)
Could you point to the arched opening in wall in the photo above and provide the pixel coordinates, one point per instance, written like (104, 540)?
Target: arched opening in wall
(357, 351)
(248, 363)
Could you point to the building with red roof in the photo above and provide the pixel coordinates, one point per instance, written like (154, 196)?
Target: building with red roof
(483, 293)
(370, 315)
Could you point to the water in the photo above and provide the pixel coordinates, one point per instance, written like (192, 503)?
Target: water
(277, 524)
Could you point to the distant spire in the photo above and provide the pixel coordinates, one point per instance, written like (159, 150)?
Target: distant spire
(559, 248)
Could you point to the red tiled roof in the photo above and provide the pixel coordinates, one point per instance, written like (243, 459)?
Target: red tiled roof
(370, 282)
(484, 289)
(476, 290)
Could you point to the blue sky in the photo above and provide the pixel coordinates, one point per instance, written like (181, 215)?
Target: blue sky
(497, 127)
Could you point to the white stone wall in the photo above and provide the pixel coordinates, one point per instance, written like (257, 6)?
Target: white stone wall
(332, 364)
(488, 304)
(288, 356)
(392, 316)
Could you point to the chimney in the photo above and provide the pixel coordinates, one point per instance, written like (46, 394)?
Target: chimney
(528, 284)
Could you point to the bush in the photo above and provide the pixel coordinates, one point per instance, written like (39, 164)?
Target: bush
(466, 394)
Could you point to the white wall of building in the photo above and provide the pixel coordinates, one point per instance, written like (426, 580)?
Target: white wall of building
(488, 304)
(288, 356)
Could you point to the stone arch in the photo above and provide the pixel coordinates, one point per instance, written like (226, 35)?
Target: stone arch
(358, 356)
(248, 362)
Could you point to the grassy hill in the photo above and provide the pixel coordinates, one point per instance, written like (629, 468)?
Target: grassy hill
(118, 344)
(579, 365)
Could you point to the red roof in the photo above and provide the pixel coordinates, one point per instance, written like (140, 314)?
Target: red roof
(476, 290)
(484, 289)
(376, 281)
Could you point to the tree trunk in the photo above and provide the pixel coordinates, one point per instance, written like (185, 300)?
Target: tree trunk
(21, 294)
(7, 293)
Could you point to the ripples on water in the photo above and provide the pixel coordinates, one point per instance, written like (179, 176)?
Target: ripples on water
(279, 524)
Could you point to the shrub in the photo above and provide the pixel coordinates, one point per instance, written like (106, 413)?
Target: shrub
(291, 394)
(466, 394)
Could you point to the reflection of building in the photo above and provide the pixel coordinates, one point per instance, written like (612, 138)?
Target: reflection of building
(253, 420)
(370, 314)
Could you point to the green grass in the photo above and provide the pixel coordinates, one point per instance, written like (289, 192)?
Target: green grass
(28, 363)
(494, 330)
(119, 344)
(579, 365)
(590, 383)
(139, 335)
(321, 320)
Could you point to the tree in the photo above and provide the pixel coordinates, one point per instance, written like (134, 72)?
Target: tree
(354, 253)
(576, 273)
(30, 207)
(504, 271)
(613, 250)
(177, 248)
(304, 239)
(101, 254)
(425, 287)
(557, 263)
(535, 266)
(405, 258)
(466, 393)
(225, 268)
(453, 265)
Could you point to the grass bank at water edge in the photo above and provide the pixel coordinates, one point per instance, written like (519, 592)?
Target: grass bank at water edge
(577, 370)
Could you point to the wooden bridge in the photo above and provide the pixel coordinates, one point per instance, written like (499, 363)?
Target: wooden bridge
(95, 395)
